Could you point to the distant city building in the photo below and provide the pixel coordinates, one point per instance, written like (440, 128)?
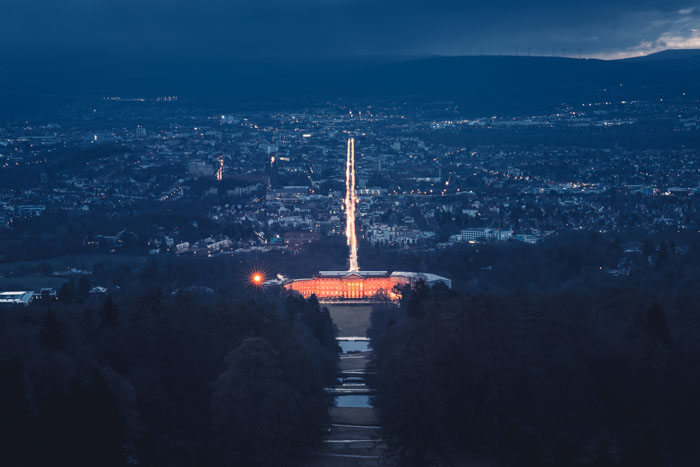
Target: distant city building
(230, 119)
(369, 192)
(401, 235)
(287, 193)
(219, 246)
(30, 210)
(482, 234)
(527, 238)
(98, 291)
(199, 168)
(296, 240)
(328, 227)
(46, 294)
(16, 298)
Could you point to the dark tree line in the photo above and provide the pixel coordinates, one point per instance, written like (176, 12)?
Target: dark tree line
(572, 258)
(165, 381)
(580, 377)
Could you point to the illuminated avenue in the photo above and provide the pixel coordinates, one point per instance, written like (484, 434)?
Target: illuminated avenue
(354, 284)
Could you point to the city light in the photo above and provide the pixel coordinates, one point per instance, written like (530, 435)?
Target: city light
(220, 169)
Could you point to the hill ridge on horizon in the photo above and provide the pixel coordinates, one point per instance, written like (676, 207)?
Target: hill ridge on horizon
(481, 83)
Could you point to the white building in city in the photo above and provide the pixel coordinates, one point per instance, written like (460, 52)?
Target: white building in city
(482, 234)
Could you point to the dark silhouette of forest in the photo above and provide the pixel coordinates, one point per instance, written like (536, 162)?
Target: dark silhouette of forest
(601, 375)
(164, 380)
(539, 356)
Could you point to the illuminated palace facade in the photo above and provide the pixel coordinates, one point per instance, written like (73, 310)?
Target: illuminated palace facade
(359, 285)
(354, 284)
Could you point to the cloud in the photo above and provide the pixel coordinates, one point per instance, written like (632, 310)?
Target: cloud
(677, 30)
(322, 28)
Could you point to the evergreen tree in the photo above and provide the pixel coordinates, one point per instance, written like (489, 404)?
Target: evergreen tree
(84, 287)
(51, 332)
(109, 314)
(82, 428)
(15, 418)
(656, 325)
(66, 293)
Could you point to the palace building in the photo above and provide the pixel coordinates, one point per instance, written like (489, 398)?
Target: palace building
(359, 285)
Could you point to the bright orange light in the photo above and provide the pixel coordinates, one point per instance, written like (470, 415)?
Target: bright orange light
(257, 278)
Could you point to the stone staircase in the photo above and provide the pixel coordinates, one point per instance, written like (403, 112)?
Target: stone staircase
(353, 436)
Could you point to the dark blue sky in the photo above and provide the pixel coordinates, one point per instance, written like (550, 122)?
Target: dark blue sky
(265, 29)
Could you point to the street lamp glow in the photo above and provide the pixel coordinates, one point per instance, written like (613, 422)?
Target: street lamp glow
(257, 278)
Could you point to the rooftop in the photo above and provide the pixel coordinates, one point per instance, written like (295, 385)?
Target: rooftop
(357, 273)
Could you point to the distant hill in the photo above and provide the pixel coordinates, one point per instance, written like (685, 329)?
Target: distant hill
(481, 85)
(676, 59)
(666, 55)
(510, 84)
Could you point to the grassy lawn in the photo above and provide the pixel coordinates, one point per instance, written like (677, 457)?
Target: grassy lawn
(352, 320)
(354, 415)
